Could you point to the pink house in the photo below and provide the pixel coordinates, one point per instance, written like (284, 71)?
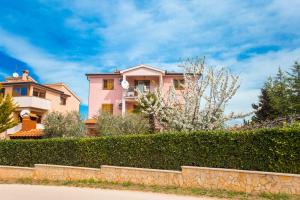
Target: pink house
(116, 92)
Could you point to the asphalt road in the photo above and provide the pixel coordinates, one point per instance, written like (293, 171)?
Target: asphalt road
(37, 192)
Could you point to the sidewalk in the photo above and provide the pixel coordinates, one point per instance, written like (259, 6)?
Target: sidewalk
(37, 192)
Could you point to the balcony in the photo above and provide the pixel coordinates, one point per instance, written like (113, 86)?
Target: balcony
(132, 90)
(32, 102)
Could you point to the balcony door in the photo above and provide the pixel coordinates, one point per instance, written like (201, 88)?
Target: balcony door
(142, 85)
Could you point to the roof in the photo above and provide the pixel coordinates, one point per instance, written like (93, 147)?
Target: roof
(104, 74)
(33, 133)
(142, 66)
(19, 79)
(118, 73)
(36, 84)
(28, 80)
(90, 121)
(64, 85)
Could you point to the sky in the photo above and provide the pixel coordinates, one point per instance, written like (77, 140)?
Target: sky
(62, 40)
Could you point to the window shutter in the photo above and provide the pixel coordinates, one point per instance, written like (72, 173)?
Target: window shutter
(104, 84)
(108, 108)
(108, 84)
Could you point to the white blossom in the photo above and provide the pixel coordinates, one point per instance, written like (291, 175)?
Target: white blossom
(200, 105)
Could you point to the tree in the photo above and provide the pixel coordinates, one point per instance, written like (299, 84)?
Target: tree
(200, 105)
(294, 82)
(7, 107)
(279, 95)
(64, 125)
(148, 101)
(263, 110)
(108, 124)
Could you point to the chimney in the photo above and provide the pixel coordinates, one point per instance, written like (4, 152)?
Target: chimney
(28, 124)
(25, 75)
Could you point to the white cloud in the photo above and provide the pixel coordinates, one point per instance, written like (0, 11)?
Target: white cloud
(254, 72)
(162, 32)
(177, 29)
(49, 68)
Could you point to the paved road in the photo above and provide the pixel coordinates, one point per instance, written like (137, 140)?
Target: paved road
(37, 192)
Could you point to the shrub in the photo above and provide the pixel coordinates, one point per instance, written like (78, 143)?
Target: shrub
(275, 150)
(108, 124)
(63, 125)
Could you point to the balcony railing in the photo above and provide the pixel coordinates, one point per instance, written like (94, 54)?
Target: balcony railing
(32, 102)
(132, 90)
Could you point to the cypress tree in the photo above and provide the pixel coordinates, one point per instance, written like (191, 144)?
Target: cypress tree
(294, 82)
(264, 110)
(279, 95)
(7, 107)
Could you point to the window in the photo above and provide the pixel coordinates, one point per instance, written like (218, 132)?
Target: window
(39, 119)
(107, 108)
(108, 84)
(20, 91)
(2, 92)
(63, 101)
(39, 93)
(178, 84)
(142, 85)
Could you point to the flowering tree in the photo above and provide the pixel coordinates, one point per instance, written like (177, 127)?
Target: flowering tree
(200, 105)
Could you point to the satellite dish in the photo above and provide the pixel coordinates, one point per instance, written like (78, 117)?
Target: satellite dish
(24, 113)
(15, 75)
(125, 84)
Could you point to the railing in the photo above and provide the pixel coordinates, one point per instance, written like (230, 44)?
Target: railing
(40, 126)
(132, 90)
(33, 102)
(14, 129)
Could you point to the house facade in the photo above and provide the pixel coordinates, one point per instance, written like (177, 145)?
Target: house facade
(38, 99)
(116, 92)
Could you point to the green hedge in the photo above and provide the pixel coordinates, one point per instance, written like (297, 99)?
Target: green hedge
(266, 150)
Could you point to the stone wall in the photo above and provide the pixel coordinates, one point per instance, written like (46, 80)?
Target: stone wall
(57, 172)
(241, 180)
(13, 173)
(141, 176)
(196, 177)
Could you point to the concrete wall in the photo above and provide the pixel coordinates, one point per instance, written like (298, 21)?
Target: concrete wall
(99, 96)
(195, 177)
(72, 103)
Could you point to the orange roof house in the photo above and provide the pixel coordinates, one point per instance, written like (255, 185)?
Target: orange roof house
(38, 98)
(29, 128)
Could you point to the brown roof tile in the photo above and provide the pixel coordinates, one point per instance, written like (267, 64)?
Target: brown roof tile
(34, 133)
(90, 121)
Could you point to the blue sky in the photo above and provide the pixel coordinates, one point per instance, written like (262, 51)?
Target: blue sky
(60, 40)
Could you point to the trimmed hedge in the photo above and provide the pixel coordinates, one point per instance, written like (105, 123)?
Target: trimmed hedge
(265, 150)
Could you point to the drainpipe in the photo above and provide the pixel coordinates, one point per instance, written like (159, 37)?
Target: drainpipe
(123, 99)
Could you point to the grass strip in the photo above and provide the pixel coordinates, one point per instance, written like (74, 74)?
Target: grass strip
(91, 183)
